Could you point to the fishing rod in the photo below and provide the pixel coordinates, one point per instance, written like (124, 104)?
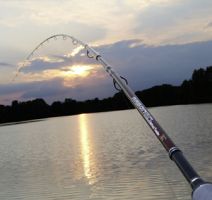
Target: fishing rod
(201, 190)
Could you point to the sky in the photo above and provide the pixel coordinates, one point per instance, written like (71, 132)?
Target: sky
(149, 42)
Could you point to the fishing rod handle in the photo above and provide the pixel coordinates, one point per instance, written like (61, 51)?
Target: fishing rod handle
(187, 170)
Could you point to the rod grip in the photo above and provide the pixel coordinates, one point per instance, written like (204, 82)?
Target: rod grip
(187, 170)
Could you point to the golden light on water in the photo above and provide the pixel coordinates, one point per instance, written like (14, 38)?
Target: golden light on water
(88, 160)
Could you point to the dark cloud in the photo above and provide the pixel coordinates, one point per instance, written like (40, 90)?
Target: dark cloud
(4, 64)
(10, 88)
(45, 89)
(209, 25)
(56, 62)
(40, 64)
(55, 89)
(144, 66)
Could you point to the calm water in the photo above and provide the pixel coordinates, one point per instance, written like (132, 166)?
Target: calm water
(106, 156)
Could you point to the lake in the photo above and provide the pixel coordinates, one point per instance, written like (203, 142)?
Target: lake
(104, 156)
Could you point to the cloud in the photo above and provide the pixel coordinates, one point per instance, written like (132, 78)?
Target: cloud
(181, 22)
(76, 55)
(6, 89)
(26, 91)
(153, 21)
(209, 25)
(55, 89)
(61, 62)
(143, 65)
(4, 64)
(43, 63)
(45, 89)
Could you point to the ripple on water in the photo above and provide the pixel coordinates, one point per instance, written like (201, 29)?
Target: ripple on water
(104, 156)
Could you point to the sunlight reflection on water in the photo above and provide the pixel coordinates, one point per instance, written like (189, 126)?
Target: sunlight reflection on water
(88, 160)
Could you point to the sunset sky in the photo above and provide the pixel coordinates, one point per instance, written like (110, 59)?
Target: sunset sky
(150, 42)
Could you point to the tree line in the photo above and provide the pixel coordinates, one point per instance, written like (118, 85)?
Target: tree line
(196, 90)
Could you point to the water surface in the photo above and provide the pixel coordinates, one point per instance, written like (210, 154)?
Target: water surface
(104, 156)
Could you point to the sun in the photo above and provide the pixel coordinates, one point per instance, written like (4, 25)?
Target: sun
(80, 70)
(77, 70)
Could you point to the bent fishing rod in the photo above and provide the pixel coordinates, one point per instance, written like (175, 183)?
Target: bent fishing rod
(201, 190)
